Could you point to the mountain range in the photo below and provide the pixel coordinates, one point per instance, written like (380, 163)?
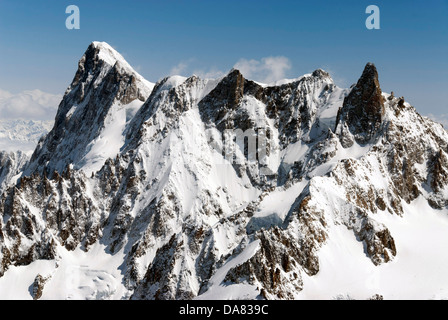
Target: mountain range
(226, 188)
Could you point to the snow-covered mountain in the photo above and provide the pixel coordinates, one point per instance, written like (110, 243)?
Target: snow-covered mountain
(23, 135)
(228, 188)
(18, 136)
(18, 139)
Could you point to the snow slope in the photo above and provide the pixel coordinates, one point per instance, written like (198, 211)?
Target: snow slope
(417, 272)
(77, 275)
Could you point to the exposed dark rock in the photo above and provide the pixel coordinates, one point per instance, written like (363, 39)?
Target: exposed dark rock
(225, 97)
(38, 286)
(363, 108)
(376, 297)
(379, 244)
(274, 266)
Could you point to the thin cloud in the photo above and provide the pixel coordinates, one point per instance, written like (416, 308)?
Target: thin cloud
(28, 105)
(213, 73)
(184, 68)
(179, 69)
(267, 70)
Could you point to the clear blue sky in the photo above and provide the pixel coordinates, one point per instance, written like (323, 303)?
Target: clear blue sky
(410, 50)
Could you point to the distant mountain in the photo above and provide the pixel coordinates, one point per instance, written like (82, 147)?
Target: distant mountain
(227, 189)
(23, 135)
(19, 137)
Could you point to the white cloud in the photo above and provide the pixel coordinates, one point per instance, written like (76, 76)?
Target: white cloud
(213, 73)
(184, 68)
(4, 94)
(179, 69)
(267, 70)
(29, 105)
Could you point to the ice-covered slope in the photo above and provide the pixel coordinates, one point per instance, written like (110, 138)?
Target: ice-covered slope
(155, 190)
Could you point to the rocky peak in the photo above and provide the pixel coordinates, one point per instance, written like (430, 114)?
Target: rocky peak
(230, 89)
(363, 109)
(88, 64)
(103, 84)
(101, 61)
(319, 73)
(97, 56)
(226, 96)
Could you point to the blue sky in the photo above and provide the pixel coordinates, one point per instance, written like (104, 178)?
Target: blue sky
(209, 37)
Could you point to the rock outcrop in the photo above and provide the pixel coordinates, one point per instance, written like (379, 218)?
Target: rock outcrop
(363, 111)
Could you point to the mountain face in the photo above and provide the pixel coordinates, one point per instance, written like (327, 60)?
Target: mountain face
(225, 188)
(363, 109)
(104, 94)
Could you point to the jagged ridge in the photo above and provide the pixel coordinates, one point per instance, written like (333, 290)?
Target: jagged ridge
(186, 220)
